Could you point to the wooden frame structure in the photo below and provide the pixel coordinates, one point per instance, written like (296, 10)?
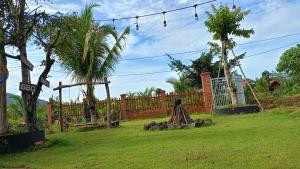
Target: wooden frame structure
(61, 86)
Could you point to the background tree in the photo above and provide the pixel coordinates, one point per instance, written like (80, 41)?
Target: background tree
(223, 22)
(290, 62)
(149, 91)
(193, 71)
(180, 85)
(86, 53)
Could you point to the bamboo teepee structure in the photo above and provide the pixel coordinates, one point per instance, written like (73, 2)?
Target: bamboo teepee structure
(179, 115)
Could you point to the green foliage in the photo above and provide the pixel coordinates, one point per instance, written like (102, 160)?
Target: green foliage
(87, 53)
(149, 91)
(290, 62)
(193, 71)
(180, 85)
(223, 22)
(17, 109)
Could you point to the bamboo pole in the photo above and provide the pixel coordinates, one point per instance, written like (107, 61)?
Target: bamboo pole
(253, 93)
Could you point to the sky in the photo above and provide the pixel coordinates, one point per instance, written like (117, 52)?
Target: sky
(268, 18)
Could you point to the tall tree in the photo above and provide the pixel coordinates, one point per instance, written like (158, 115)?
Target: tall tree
(86, 54)
(223, 23)
(289, 62)
(22, 22)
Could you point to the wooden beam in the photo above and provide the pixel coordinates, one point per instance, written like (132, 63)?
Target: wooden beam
(78, 84)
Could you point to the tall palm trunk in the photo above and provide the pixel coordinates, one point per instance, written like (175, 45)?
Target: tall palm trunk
(3, 106)
(227, 73)
(91, 101)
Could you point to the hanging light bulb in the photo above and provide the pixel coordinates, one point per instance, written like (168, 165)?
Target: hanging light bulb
(165, 22)
(114, 24)
(233, 6)
(137, 24)
(93, 26)
(196, 15)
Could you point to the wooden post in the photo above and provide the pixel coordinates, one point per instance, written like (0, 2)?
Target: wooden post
(207, 91)
(60, 108)
(108, 102)
(49, 109)
(163, 103)
(252, 91)
(123, 106)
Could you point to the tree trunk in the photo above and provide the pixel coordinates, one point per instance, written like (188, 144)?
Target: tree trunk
(3, 106)
(91, 102)
(108, 102)
(30, 116)
(227, 73)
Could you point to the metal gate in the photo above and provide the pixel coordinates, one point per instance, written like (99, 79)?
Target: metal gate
(221, 94)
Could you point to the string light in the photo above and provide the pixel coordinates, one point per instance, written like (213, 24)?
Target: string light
(165, 22)
(196, 15)
(158, 13)
(137, 24)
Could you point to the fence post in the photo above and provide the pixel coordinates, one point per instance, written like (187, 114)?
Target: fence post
(207, 91)
(123, 106)
(49, 109)
(163, 103)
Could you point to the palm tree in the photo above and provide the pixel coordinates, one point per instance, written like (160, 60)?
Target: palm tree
(147, 92)
(86, 53)
(18, 108)
(180, 85)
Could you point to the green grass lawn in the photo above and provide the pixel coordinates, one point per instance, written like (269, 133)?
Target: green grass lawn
(263, 140)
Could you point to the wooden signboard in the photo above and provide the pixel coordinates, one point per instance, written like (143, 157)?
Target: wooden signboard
(27, 87)
(45, 82)
(28, 64)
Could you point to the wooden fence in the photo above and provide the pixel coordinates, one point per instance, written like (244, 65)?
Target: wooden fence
(146, 106)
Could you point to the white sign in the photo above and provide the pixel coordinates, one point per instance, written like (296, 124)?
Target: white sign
(28, 64)
(45, 82)
(27, 87)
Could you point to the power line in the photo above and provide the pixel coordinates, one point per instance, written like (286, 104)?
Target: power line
(268, 39)
(148, 73)
(267, 51)
(199, 50)
(156, 13)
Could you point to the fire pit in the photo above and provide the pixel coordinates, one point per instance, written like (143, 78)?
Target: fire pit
(179, 119)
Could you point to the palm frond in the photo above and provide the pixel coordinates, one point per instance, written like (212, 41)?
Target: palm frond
(114, 54)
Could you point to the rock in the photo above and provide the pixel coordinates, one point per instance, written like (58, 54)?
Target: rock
(149, 125)
(199, 123)
(208, 122)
